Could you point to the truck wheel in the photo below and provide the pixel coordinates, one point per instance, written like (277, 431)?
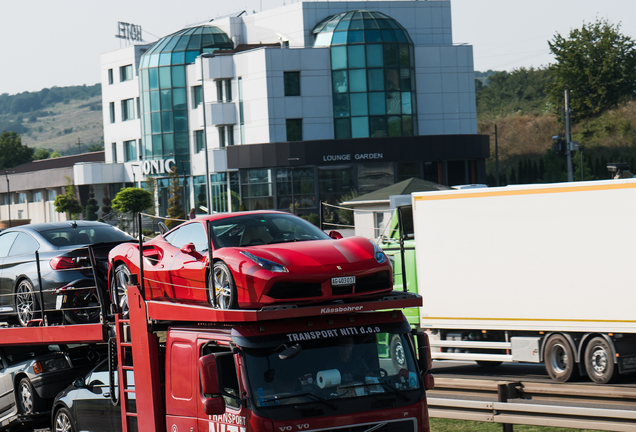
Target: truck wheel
(222, 287)
(559, 359)
(29, 401)
(599, 361)
(398, 358)
(62, 421)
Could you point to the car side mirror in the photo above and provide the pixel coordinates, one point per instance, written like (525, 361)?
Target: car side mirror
(163, 228)
(80, 382)
(214, 406)
(335, 235)
(191, 249)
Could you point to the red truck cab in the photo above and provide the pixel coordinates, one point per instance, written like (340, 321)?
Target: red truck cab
(308, 373)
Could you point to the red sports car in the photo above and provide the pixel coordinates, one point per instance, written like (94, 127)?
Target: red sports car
(259, 259)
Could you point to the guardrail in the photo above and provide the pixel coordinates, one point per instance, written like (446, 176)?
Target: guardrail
(531, 403)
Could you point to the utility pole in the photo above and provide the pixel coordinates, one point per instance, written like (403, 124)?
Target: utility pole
(568, 136)
(496, 155)
(79, 146)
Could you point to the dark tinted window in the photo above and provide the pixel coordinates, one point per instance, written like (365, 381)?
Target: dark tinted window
(21, 353)
(24, 245)
(6, 240)
(69, 236)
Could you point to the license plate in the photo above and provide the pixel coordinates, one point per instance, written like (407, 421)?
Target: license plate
(345, 280)
(59, 301)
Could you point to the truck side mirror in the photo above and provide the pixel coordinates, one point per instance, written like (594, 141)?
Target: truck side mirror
(214, 406)
(209, 375)
(424, 358)
(335, 235)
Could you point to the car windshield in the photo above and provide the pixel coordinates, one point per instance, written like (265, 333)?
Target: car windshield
(69, 236)
(263, 229)
(17, 354)
(327, 366)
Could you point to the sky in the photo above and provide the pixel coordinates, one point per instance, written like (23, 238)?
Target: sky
(58, 43)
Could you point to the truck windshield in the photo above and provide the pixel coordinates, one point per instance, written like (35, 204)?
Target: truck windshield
(324, 366)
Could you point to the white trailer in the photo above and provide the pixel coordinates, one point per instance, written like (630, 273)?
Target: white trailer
(531, 273)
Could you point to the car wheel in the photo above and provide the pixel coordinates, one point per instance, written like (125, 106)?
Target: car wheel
(222, 287)
(119, 291)
(62, 421)
(25, 303)
(29, 401)
(88, 299)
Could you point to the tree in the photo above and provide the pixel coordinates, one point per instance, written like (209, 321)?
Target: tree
(41, 154)
(175, 202)
(12, 152)
(106, 208)
(91, 205)
(597, 64)
(133, 200)
(68, 202)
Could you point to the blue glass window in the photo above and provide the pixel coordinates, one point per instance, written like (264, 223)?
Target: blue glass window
(339, 38)
(154, 60)
(377, 104)
(179, 98)
(405, 60)
(154, 101)
(181, 121)
(406, 103)
(342, 128)
(376, 79)
(191, 56)
(343, 25)
(359, 127)
(390, 55)
(164, 78)
(144, 80)
(393, 103)
(372, 36)
(178, 76)
(356, 56)
(355, 37)
(395, 126)
(405, 79)
(166, 100)
(359, 104)
(339, 57)
(377, 127)
(323, 39)
(356, 24)
(168, 144)
(375, 57)
(341, 105)
(156, 145)
(153, 78)
(388, 36)
(178, 57)
(181, 143)
(155, 120)
(166, 122)
(407, 125)
(358, 80)
(164, 59)
(340, 82)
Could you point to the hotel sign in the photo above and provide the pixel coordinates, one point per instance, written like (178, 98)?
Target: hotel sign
(347, 157)
(158, 166)
(128, 31)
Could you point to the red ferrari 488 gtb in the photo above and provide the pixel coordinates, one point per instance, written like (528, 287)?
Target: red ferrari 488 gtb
(259, 259)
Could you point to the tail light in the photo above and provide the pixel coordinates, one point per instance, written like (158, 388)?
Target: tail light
(66, 263)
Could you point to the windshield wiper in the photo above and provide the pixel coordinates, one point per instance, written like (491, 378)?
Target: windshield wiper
(309, 395)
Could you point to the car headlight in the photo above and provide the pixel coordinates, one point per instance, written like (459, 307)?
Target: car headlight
(266, 264)
(378, 253)
(51, 365)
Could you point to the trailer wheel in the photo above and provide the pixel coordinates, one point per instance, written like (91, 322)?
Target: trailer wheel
(599, 361)
(222, 288)
(559, 359)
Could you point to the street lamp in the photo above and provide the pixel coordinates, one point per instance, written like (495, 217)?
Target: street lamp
(6, 175)
(208, 186)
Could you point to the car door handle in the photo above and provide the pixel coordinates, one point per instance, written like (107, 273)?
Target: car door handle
(106, 395)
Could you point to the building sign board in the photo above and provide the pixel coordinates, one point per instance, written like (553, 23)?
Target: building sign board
(350, 157)
(131, 32)
(158, 166)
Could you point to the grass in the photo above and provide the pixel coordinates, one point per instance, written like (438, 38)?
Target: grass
(446, 425)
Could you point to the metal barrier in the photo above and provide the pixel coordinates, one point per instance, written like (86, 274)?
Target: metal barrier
(515, 402)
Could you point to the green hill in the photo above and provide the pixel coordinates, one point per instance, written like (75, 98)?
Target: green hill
(55, 118)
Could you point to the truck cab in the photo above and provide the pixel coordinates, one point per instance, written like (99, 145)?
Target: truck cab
(295, 374)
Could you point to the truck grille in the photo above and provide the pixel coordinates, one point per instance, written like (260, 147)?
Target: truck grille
(395, 426)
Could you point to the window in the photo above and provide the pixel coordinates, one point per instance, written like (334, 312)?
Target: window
(219, 91)
(292, 83)
(113, 147)
(221, 136)
(241, 115)
(6, 240)
(6, 199)
(51, 195)
(198, 140)
(110, 76)
(25, 244)
(20, 214)
(197, 96)
(229, 380)
(36, 196)
(112, 112)
(21, 198)
(126, 73)
(127, 109)
(294, 129)
(190, 233)
(130, 150)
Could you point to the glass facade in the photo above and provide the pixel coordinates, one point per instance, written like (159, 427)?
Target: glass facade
(373, 74)
(164, 110)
